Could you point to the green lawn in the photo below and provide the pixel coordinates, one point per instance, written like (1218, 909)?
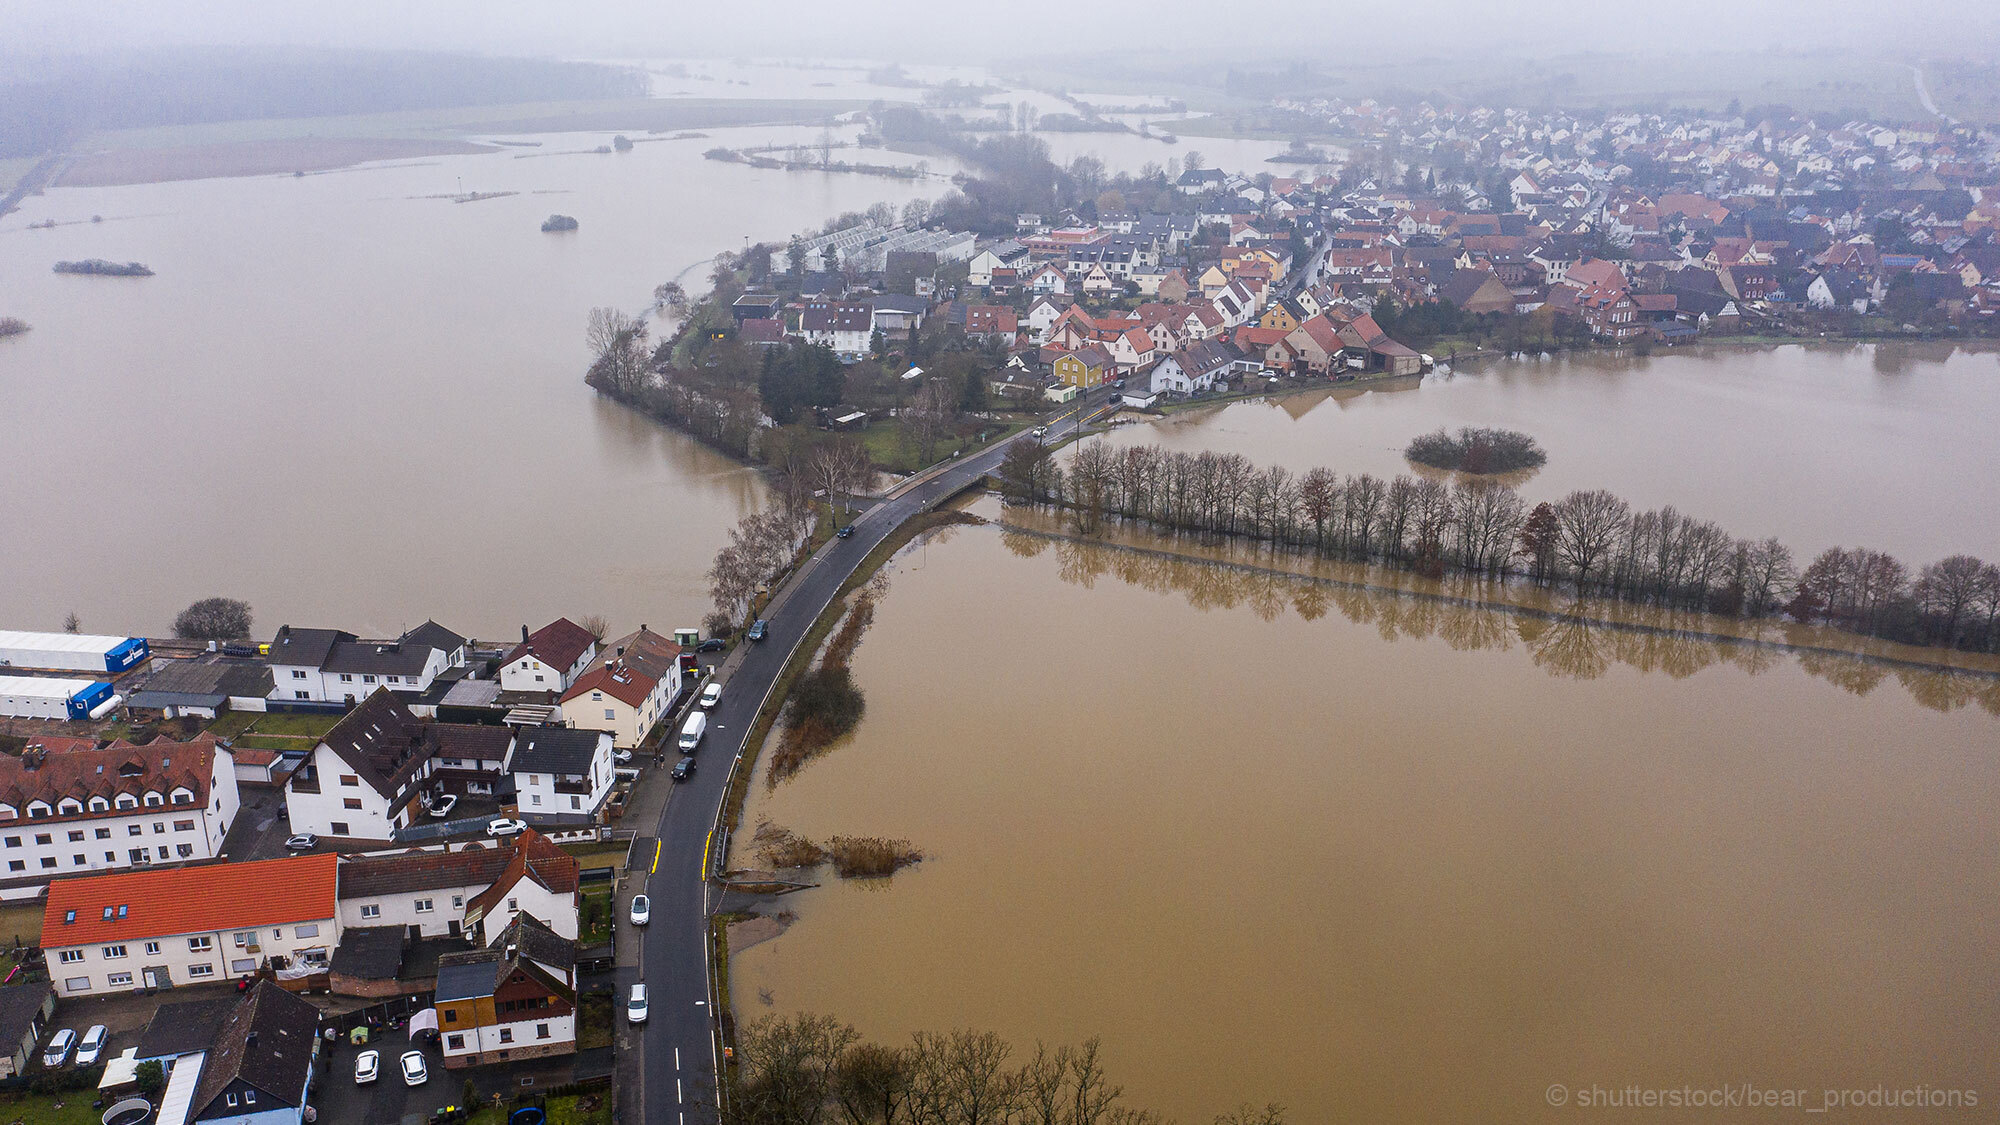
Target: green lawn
(231, 724)
(889, 451)
(22, 920)
(596, 915)
(593, 1021)
(72, 1108)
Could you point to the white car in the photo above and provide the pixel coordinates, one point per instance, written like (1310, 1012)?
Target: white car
(92, 1045)
(505, 826)
(443, 805)
(622, 757)
(415, 1073)
(303, 842)
(642, 910)
(711, 695)
(635, 1008)
(367, 1067)
(57, 1052)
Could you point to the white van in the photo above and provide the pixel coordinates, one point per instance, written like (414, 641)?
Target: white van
(697, 725)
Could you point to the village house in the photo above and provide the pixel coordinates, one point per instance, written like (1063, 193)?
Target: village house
(627, 688)
(330, 665)
(149, 930)
(365, 778)
(84, 810)
(1084, 368)
(25, 1011)
(257, 1068)
(846, 329)
(548, 659)
(1195, 369)
(513, 1000)
(562, 774)
(469, 893)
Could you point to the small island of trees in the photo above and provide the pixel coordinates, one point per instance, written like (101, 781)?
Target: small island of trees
(1477, 450)
(101, 268)
(12, 326)
(558, 222)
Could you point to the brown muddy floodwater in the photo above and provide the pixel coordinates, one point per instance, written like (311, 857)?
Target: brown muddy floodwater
(1391, 859)
(1888, 446)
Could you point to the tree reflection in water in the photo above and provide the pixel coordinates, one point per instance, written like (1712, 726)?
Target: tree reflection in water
(1577, 638)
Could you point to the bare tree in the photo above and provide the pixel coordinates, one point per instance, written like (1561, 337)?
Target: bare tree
(72, 623)
(595, 625)
(1588, 522)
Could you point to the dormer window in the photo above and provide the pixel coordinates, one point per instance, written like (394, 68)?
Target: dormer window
(153, 799)
(37, 809)
(127, 801)
(69, 806)
(183, 796)
(99, 804)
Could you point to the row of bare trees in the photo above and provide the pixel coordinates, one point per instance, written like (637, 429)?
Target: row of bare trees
(1590, 538)
(760, 546)
(815, 1070)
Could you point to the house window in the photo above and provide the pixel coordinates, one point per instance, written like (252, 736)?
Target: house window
(575, 801)
(371, 910)
(610, 714)
(597, 697)
(71, 956)
(245, 937)
(119, 980)
(203, 970)
(243, 965)
(104, 833)
(77, 984)
(231, 1099)
(79, 859)
(541, 1031)
(249, 1097)
(113, 952)
(48, 861)
(537, 799)
(506, 1035)
(164, 854)
(135, 829)
(17, 865)
(350, 780)
(13, 841)
(200, 944)
(513, 904)
(42, 838)
(455, 1042)
(75, 836)
(301, 695)
(423, 906)
(337, 827)
(159, 827)
(306, 931)
(351, 803)
(183, 825)
(367, 679)
(451, 1015)
(111, 857)
(185, 850)
(298, 674)
(347, 677)
(393, 679)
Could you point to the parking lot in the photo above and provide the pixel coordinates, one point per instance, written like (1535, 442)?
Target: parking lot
(388, 1100)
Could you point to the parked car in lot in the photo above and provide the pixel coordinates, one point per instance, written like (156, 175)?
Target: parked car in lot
(683, 769)
(622, 757)
(759, 630)
(415, 1073)
(635, 1008)
(303, 842)
(505, 826)
(642, 910)
(711, 695)
(57, 1052)
(367, 1067)
(712, 644)
(92, 1045)
(443, 805)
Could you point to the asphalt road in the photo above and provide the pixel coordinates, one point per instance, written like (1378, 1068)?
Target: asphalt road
(678, 1040)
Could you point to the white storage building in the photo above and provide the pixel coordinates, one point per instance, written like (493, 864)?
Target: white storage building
(33, 697)
(70, 652)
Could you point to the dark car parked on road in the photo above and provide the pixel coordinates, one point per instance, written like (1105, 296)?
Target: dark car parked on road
(683, 769)
(760, 630)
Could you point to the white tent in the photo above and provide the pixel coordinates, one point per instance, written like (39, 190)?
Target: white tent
(425, 1019)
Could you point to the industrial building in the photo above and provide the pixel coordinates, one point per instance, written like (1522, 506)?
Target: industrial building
(70, 652)
(35, 697)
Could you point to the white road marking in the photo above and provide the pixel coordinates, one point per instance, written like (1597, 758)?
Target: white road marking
(677, 1058)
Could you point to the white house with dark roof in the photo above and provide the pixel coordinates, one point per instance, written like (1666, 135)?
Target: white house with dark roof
(561, 773)
(259, 1066)
(548, 659)
(332, 665)
(627, 689)
(365, 778)
(845, 328)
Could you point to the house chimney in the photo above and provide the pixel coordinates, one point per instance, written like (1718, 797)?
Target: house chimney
(524, 634)
(621, 651)
(642, 626)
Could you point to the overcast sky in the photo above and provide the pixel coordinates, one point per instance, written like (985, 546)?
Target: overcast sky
(914, 30)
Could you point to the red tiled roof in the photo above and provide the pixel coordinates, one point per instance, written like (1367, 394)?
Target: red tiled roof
(557, 644)
(118, 769)
(190, 900)
(646, 659)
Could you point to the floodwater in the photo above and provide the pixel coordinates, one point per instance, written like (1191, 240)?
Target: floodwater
(1884, 446)
(355, 404)
(1384, 858)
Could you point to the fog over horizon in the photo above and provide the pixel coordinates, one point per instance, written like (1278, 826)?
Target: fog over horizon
(911, 32)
